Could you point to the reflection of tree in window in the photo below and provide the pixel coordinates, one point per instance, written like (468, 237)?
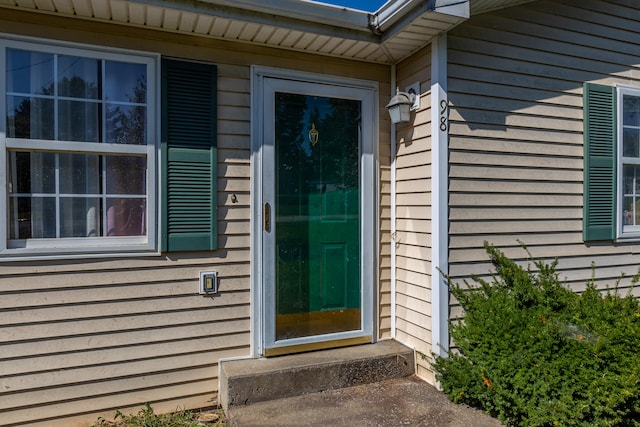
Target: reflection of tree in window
(77, 87)
(32, 118)
(126, 123)
(341, 144)
(294, 164)
(79, 118)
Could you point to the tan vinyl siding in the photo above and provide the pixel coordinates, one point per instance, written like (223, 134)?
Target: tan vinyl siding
(516, 142)
(413, 215)
(115, 334)
(82, 338)
(384, 279)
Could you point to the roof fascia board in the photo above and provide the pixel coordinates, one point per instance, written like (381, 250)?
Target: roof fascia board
(459, 8)
(307, 10)
(309, 17)
(392, 11)
(303, 9)
(393, 16)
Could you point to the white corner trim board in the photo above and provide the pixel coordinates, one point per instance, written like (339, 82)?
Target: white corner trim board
(439, 196)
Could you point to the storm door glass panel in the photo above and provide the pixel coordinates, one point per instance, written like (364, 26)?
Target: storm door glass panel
(317, 215)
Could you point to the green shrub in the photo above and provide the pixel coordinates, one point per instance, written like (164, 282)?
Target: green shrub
(533, 353)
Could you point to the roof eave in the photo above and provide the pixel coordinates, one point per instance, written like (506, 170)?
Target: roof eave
(298, 15)
(400, 13)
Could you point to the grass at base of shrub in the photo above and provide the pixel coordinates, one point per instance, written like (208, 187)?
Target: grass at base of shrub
(146, 417)
(533, 353)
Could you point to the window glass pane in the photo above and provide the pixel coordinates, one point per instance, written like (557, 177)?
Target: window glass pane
(631, 198)
(29, 72)
(32, 172)
(627, 211)
(126, 124)
(126, 217)
(80, 217)
(30, 118)
(80, 173)
(631, 113)
(630, 143)
(32, 218)
(628, 179)
(78, 77)
(126, 82)
(78, 121)
(126, 175)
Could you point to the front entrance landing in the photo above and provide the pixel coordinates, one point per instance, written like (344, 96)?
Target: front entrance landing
(245, 382)
(406, 401)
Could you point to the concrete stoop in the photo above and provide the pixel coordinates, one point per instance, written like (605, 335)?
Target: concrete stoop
(243, 382)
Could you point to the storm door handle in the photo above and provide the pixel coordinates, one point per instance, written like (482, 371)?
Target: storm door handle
(267, 217)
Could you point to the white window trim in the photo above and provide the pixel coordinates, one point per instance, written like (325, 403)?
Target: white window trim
(631, 232)
(65, 248)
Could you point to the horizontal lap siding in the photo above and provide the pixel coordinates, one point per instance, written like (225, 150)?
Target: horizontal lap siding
(384, 276)
(413, 215)
(102, 339)
(82, 338)
(516, 150)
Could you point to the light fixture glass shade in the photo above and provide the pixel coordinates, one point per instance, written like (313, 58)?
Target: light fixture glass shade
(400, 107)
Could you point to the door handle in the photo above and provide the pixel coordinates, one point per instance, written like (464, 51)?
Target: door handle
(267, 217)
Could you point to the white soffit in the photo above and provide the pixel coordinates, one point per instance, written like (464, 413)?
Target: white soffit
(398, 29)
(309, 27)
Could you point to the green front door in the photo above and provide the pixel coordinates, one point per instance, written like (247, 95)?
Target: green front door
(317, 215)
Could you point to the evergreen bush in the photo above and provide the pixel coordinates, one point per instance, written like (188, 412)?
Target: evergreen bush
(531, 352)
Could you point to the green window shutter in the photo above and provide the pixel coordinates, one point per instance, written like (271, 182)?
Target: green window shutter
(189, 185)
(599, 221)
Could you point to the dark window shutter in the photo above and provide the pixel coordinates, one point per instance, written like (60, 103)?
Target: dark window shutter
(189, 185)
(599, 221)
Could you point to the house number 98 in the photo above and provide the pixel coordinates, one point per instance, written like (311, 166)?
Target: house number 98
(443, 115)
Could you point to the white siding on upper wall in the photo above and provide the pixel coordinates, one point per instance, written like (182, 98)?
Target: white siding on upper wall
(82, 338)
(413, 213)
(516, 138)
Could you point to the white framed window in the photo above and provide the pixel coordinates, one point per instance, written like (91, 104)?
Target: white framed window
(79, 141)
(628, 149)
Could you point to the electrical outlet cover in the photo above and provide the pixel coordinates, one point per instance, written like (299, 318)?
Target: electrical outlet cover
(208, 282)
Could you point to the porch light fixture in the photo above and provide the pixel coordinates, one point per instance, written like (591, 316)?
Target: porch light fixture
(400, 106)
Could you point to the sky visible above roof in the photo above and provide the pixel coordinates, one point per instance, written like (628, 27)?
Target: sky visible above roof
(365, 5)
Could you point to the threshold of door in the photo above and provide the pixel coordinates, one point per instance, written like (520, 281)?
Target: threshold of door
(303, 348)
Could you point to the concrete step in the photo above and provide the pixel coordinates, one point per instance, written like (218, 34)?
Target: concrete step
(243, 382)
(406, 401)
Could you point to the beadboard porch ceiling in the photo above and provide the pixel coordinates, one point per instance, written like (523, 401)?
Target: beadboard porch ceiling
(395, 31)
